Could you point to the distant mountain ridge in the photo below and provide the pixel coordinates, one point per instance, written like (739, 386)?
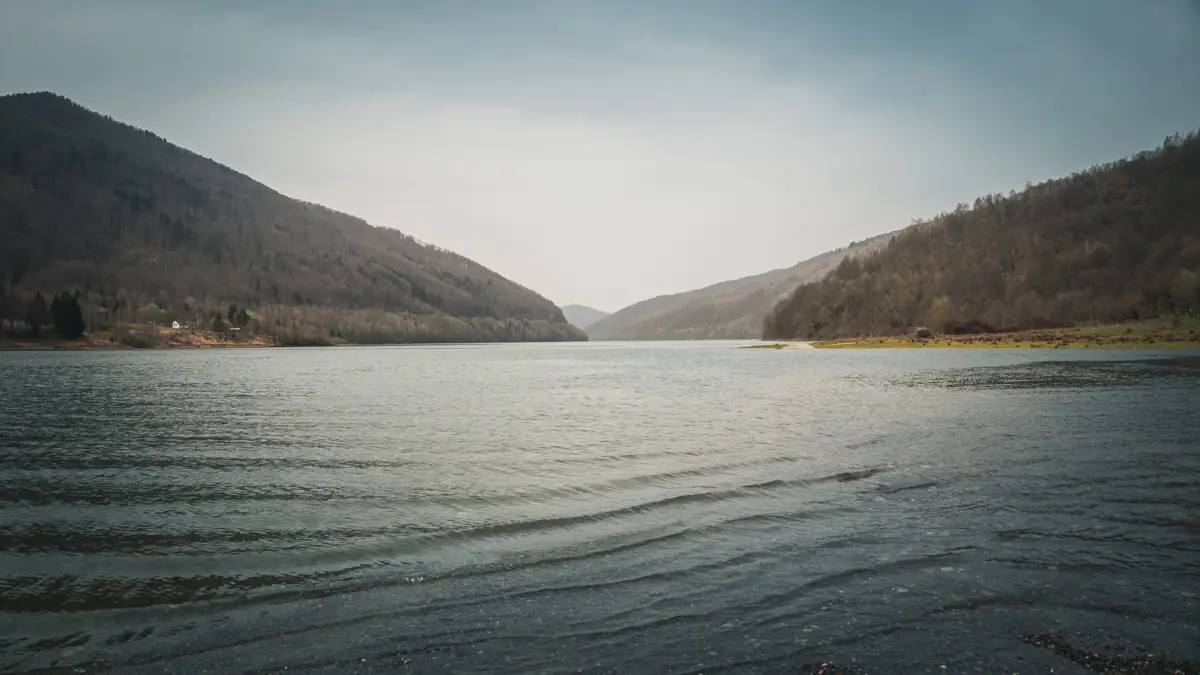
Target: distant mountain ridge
(727, 310)
(582, 316)
(127, 219)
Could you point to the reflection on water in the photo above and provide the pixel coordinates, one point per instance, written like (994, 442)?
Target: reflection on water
(598, 508)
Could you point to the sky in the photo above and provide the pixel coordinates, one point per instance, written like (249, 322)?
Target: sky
(603, 152)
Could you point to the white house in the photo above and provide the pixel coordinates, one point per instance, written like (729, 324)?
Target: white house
(175, 325)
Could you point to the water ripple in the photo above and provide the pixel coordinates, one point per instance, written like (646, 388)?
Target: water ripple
(593, 508)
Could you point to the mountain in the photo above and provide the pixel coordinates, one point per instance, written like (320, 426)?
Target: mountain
(582, 316)
(1117, 242)
(131, 221)
(727, 310)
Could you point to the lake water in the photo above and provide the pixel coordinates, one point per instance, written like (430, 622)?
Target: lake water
(596, 508)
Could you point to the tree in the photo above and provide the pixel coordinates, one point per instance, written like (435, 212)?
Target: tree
(56, 310)
(37, 315)
(1185, 291)
(68, 317)
(152, 313)
(6, 307)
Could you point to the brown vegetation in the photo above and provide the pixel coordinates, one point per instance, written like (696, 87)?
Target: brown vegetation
(1118, 242)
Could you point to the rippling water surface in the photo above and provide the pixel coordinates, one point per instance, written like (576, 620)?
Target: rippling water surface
(657, 508)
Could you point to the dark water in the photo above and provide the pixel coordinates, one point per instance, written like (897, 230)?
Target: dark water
(663, 508)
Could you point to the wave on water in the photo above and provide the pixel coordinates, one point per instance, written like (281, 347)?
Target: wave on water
(884, 512)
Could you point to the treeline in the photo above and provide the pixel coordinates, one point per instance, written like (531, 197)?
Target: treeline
(30, 313)
(290, 325)
(125, 217)
(1117, 242)
(62, 317)
(69, 315)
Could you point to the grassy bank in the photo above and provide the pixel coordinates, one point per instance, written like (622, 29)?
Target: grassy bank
(1177, 332)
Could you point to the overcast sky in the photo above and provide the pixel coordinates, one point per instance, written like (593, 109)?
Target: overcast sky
(608, 151)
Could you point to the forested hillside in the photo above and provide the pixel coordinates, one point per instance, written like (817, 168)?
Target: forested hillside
(1117, 242)
(140, 227)
(728, 310)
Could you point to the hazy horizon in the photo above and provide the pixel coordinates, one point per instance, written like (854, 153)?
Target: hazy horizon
(605, 153)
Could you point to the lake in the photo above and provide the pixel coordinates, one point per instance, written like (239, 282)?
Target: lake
(596, 508)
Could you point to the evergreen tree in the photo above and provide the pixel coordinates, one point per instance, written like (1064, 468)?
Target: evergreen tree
(37, 315)
(56, 311)
(76, 326)
(68, 317)
(6, 306)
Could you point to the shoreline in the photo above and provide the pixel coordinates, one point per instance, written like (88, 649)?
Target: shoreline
(933, 344)
(41, 347)
(9, 344)
(1180, 333)
(101, 343)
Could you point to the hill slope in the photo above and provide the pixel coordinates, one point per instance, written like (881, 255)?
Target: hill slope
(92, 204)
(728, 310)
(1119, 241)
(582, 316)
